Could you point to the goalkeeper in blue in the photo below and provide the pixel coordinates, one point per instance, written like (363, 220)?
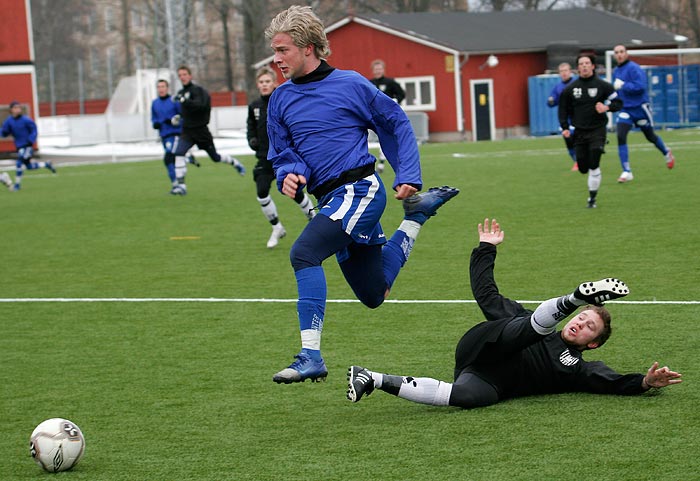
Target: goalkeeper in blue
(166, 117)
(317, 125)
(23, 130)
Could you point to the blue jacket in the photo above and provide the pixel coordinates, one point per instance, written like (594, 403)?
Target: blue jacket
(162, 110)
(634, 92)
(22, 128)
(319, 129)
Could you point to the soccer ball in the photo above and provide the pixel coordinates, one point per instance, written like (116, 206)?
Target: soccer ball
(57, 444)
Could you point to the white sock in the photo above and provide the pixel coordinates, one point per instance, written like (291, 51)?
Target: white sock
(307, 207)
(378, 378)
(594, 179)
(180, 168)
(426, 390)
(550, 313)
(311, 339)
(411, 228)
(268, 207)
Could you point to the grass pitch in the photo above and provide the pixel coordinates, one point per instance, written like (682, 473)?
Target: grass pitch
(175, 389)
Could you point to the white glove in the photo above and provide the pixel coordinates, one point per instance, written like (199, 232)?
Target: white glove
(175, 120)
(618, 83)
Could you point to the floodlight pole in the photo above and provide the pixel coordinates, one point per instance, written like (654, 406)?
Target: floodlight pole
(170, 34)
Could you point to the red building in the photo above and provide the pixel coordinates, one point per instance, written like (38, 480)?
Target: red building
(469, 71)
(17, 74)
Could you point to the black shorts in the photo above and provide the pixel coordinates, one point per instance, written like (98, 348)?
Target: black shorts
(199, 136)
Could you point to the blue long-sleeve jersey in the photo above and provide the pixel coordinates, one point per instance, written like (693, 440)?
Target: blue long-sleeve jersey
(319, 129)
(634, 91)
(553, 99)
(162, 110)
(22, 129)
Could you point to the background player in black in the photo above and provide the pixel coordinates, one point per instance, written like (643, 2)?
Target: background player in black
(517, 352)
(263, 173)
(390, 87)
(585, 103)
(196, 112)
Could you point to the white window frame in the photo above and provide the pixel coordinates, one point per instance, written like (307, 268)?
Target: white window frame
(429, 106)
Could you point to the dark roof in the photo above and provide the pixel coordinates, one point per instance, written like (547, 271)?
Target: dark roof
(523, 31)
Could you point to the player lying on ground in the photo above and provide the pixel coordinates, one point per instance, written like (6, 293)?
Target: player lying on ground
(517, 352)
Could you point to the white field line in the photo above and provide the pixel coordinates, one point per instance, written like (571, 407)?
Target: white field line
(269, 301)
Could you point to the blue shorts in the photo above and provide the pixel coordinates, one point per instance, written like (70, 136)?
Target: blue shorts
(25, 153)
(359, 206)
(638, 116)
(170, 143)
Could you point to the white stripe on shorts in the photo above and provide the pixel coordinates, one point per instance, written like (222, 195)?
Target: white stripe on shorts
(373, 188)
(348, 199)
(650, 116)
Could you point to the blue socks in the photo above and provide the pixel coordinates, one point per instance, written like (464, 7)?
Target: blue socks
(623, 152)
(311, 306)
(395, 254)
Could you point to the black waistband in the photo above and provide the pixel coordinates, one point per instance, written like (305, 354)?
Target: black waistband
(347, 177)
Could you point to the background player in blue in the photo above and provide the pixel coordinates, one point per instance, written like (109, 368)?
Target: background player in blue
(517, 352)
(630, 81)
(263, 173)
(566, 77)
(166, 118)
(23, 130)
(317, 125)
(196, 112)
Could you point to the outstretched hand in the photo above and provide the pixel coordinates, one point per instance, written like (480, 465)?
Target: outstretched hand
(490, 233)
(657, 378)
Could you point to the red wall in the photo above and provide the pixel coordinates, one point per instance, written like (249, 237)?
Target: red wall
(227, 99)
(16, 81)
(355, 46)
(98, 106)
(15, 86)
(510, 91)
(14, 35)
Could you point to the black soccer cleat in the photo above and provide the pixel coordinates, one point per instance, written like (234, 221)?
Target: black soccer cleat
(600, 291)
(360, 383)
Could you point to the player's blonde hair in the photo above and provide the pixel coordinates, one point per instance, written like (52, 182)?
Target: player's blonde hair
(305, 28)
(266, 71)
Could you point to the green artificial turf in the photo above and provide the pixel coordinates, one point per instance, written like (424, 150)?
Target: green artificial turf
(171, 389)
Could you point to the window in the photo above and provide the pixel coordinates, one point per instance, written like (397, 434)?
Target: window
(420, 93)
(109, 19)
(137, 20)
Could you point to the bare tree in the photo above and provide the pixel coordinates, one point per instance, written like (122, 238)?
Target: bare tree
(223, 9)
(126, 36)
(694, 22)
(55, 44)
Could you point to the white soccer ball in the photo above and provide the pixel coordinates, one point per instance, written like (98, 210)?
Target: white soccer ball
(57, 444)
